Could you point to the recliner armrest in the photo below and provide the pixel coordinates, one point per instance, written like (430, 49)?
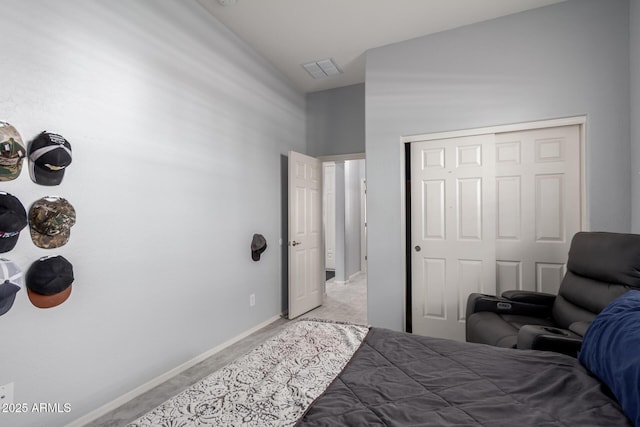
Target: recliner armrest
(530, 297)
(579, 328)
(481, 302)
(548, 338)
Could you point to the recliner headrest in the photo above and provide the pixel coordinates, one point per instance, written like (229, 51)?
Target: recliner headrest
(606, 257)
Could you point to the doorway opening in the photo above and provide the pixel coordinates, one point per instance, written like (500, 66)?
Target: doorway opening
(344, 217)
(307, 285)
(345, 231)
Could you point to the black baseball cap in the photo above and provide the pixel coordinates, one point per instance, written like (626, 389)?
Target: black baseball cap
(49, 155)
(13, 218)
(258, 245)
(49, 281)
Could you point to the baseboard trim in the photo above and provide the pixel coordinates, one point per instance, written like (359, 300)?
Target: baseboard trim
(349, 280)
(354, 275)
(121, 400)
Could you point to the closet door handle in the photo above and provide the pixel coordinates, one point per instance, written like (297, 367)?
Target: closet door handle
(418, 248)
(294, 243)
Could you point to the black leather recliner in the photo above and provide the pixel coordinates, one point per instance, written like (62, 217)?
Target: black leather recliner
(601, 267)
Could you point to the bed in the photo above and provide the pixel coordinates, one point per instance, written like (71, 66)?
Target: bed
(319, 373)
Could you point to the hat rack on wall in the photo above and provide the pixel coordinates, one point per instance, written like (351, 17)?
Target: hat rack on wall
(48, 279)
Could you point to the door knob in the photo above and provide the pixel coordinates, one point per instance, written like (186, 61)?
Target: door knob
(418, 248)
(294, 243)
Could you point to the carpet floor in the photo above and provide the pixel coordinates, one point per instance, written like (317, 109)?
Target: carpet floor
(343, 302)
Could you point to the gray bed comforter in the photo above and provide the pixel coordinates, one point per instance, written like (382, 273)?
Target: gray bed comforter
(398, 379)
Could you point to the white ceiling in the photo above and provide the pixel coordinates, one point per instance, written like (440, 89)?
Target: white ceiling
(289, 33)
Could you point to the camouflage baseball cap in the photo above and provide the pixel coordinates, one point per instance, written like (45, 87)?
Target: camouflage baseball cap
(12, 152)
(50, 222)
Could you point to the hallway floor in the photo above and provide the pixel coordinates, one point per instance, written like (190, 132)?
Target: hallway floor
(344, 303)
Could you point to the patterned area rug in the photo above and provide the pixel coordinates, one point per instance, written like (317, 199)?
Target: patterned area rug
(270, 386)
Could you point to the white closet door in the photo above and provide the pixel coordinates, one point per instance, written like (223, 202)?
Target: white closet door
(490, 213)
(452, 226)
(538, 206)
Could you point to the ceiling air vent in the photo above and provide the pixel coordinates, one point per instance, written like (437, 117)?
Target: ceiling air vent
(321, 69)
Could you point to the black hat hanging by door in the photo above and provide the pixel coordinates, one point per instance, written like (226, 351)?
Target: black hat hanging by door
(258, 246)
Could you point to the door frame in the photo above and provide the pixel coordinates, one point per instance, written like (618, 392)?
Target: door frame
(328, 217)
(363, 225)
(405, 199)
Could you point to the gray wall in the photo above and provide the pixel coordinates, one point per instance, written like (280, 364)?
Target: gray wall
(335, 121)
(335, 125)
(563, 60)
(178, 130)
(635, 114)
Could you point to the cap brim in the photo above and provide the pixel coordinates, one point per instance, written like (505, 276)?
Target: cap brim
(8, 243)
(8, 296)
(45, 241)
(255, 253)
(6, 303)
(48, 301)
(9, 173)
(45, 177)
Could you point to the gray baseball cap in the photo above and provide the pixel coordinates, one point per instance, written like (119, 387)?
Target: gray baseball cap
(12, 281)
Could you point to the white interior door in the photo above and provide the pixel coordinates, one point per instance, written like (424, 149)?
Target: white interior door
(490, 213)
(452, 227)
(306, 269)
(538, 202)
(329, 210)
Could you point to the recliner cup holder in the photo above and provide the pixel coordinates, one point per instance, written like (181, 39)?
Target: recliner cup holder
(555, 331)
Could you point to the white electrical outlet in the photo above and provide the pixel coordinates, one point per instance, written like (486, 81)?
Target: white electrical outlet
(6, 394)
(252, 300)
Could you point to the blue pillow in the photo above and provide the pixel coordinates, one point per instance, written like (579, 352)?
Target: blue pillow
(611, 351)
